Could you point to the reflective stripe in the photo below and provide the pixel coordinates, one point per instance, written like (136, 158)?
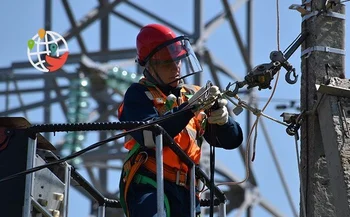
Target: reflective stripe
(120, 109)
(149, 95)
(159, 100)
(191, 132)
(148, 139)
(129, 142)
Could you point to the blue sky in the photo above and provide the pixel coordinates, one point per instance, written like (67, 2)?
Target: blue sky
(20, 23)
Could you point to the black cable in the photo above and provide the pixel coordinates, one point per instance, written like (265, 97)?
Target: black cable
(212, 159)
(212, 170)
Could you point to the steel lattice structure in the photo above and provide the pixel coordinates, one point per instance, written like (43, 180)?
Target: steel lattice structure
(106, 105)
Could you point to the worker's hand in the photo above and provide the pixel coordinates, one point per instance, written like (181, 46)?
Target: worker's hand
(204, 100)
(220, 115)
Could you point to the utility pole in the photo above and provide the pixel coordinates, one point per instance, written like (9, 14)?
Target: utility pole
(324, 174)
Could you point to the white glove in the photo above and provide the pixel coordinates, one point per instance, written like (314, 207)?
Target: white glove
(204, 101)
(220, 115)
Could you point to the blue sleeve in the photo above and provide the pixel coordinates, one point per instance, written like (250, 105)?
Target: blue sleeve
(228, 136)
(138, 107)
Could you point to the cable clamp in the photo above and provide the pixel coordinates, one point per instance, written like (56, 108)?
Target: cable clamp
(323, 49)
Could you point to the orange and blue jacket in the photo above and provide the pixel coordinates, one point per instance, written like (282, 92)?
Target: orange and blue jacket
(143, 102)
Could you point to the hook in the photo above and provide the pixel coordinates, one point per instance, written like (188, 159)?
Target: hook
(288, 77)
(231, 93)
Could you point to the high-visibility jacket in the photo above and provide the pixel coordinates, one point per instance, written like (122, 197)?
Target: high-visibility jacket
(188, 138)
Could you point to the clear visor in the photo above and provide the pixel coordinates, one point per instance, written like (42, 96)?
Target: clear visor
(177, 54)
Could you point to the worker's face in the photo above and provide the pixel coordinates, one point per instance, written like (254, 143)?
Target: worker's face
(167, 72)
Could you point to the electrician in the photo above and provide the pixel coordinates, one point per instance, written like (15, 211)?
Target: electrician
(161, 92)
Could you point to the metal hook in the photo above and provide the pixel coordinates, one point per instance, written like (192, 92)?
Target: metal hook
(231, 93)
(288, 77)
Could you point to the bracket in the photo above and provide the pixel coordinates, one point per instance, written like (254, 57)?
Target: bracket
(304, 8)
(333, 90)
(300, 8)
(322, 48)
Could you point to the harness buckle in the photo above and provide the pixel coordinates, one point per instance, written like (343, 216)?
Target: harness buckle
(143, 156)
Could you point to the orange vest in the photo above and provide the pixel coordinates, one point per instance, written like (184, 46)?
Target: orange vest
(187, 139)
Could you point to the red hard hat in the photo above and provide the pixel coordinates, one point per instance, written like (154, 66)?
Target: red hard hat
(149, 41)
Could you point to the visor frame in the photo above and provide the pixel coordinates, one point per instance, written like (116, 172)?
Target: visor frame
(161, 46)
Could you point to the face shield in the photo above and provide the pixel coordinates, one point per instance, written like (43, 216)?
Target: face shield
(175, 53)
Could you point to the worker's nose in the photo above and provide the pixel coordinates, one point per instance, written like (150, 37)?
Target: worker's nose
(175, 66)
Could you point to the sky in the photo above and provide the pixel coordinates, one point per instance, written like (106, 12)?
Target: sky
(21, 23)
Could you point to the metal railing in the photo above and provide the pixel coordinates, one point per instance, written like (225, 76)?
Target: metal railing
(162, 139)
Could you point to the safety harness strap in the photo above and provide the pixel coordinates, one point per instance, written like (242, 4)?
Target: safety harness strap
(134, 149)
(129, 174)
(129, 170)
(140, 159)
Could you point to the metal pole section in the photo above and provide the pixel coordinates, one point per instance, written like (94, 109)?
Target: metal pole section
(198, 30)
(198, 20)
(236, 32)
(104, 28)
(47, 108)
(160, 180)
(222, 209)
(192, 190)
(250, 91)
(249, 38)
(67, 177)
(101, 211)
(29, 178)
(249, 34)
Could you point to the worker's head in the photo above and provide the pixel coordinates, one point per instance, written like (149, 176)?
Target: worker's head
(166, 57)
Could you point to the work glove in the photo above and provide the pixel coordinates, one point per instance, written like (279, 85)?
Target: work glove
(204, 101)
(220, 115)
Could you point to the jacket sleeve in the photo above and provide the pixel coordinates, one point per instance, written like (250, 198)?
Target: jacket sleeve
(227, 136)
(138, 107)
